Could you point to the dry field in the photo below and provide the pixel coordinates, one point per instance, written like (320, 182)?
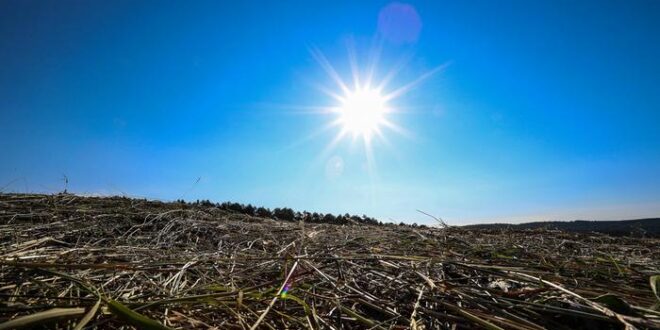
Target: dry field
(105, 263)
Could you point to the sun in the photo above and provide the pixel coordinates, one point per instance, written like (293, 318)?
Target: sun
(365, 106)
(362, 112)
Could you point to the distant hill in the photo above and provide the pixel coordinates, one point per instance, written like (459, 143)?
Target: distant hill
(637, 227)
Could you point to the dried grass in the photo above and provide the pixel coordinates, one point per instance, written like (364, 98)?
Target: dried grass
(68, 261)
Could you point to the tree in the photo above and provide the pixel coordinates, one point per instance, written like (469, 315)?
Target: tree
(224, 206)
(236, 207)
(249, 209)
(263, 212)
(329, 218)
(298, 216)
(284, 214)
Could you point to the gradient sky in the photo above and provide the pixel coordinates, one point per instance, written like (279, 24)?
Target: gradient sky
(546, 109)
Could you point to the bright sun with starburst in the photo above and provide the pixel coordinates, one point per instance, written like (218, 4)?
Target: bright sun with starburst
(362, 108)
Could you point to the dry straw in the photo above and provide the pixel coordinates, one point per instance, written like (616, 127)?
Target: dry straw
(72, 262)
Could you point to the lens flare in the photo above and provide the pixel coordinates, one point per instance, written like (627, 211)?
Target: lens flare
(285, 291)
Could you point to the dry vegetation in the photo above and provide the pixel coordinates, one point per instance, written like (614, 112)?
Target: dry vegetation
(71, 261)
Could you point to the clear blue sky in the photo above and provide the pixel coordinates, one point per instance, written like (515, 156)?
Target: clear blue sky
(547, 109)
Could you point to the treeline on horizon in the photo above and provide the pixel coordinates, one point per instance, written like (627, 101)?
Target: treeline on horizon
(278, 213)
(634, 227)
(288, 214)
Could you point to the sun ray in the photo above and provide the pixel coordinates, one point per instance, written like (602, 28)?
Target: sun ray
(328, 92)
(329, 69)
(332, 145)
(352, 60)
(396, 128)
(312, 135)
(400, 64)
(294, 109)
(372, 63)
(382, 138)
(407, 87)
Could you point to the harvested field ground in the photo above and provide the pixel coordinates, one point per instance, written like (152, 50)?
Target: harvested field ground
(116, 262)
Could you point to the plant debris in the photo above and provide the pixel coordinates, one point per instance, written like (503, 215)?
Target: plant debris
(73, 262)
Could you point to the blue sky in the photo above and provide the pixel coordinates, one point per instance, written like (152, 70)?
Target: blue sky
(546, 109)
